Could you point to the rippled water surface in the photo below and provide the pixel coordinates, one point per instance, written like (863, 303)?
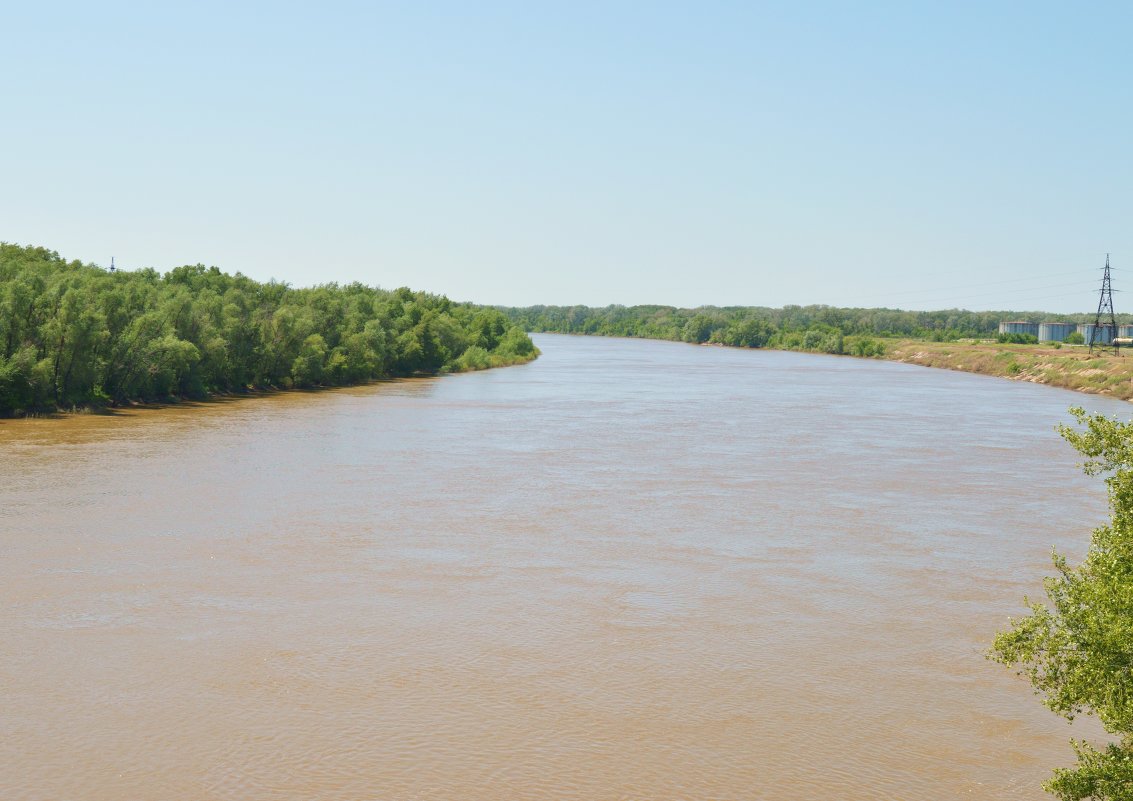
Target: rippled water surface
(629, 570)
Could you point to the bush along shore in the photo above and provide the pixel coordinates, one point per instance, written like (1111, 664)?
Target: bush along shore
(953, 339)
(76, 336)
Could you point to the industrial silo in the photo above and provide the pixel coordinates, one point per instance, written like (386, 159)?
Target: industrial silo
(1057, 332)
(1019, 327)
(1104, 335)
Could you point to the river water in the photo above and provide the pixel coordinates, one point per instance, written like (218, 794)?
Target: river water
(628, 570)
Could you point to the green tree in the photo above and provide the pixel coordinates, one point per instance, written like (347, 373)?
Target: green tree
(307, 369)
(1077, 649)
(515, 343)
(73, 334)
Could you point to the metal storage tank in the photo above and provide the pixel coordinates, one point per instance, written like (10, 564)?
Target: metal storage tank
(1056, 332)
(1125, 330)
(1104, 337)
(1019, 327)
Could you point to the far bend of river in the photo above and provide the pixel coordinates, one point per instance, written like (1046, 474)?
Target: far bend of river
(629, 570)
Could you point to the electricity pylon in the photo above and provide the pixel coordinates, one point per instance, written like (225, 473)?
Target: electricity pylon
(1105, 307)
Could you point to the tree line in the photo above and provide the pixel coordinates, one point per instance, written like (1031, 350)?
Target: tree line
(74, 334)
(827, 329)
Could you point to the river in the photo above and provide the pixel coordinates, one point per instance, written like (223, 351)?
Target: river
(628, 570)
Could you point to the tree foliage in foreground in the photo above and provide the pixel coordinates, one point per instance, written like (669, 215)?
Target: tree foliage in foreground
(1077, 650)
(73, 334)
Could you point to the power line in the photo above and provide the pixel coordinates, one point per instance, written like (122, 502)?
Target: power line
(1022, 292)
(982, 284)
(1080, 278)
(1016, 296)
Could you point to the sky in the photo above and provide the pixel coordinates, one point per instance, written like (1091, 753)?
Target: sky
(903, 154)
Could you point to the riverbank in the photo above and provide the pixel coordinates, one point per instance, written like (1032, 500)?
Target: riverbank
(1069, 367)
(74, 335)
(478, 362)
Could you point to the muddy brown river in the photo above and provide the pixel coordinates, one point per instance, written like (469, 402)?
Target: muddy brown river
(628, 570)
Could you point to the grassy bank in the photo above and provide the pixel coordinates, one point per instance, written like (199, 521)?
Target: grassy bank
(1068, 367)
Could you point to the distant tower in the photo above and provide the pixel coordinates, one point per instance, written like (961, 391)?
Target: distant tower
(1105, 307)
(113, 269)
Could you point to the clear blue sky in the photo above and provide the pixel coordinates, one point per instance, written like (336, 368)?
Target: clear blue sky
(921, 155)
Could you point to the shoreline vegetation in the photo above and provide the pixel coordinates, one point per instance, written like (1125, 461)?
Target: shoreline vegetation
(952, 339)
(75, 337)
(1070, 367)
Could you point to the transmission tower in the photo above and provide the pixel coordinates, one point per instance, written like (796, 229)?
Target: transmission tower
(1105, 308)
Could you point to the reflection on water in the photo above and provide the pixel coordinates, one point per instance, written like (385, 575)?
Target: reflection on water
(633, 570)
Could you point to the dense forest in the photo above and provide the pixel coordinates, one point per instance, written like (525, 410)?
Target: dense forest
(816, 328)
(76, 335)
